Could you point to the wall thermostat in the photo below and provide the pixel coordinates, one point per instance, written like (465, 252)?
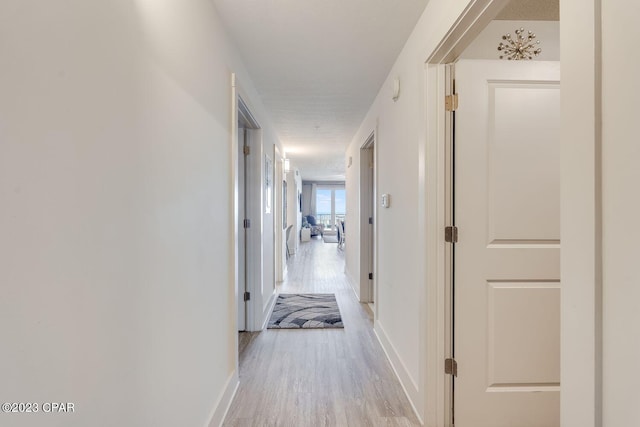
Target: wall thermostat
(386, 200)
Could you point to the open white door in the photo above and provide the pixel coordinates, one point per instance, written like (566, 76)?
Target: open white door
(241, 232)
(249, 243)
(507, 259)
(367, 219)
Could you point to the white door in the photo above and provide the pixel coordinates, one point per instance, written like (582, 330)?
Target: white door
(371, 209)
(507, 259)
(367, 210)
(242, 232)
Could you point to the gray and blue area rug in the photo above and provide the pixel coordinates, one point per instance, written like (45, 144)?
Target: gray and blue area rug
(305, 311)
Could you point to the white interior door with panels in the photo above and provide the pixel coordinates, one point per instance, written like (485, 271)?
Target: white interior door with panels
(367, 219)
(242, 234)
(507, 259)
(249, 223)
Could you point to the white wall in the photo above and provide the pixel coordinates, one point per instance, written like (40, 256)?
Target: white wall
(401, 254)
(401, 230)
(115, 269)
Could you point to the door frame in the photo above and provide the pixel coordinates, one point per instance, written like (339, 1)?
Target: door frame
(241, 109)
(439, 200)
(368, 253)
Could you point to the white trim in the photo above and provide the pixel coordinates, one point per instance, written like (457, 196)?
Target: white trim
(234, 214)
(367, 234)
(581, 358)
(408, 384)
(268, 309)
(352, 283)
(223, 404)
(438, 387)
(353, 286)
(469, 24)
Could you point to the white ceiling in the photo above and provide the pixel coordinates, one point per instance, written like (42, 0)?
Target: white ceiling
(318, 65)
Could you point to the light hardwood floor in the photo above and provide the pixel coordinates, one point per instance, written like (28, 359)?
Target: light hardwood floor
(319, 377)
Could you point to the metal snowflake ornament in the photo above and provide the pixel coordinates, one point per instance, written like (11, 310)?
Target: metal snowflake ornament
(521, 47)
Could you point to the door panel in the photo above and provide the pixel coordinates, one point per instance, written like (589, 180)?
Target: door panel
(523, 162)
(507, 260)
(523, 346)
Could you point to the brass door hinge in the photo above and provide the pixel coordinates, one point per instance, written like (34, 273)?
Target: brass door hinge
(246, 150)
(451, 367)
(451, 102)
(451, 234)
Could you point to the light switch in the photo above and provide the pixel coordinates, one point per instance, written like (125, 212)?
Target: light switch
(386, 200)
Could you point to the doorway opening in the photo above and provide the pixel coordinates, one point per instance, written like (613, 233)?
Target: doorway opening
(247, 125)
(367, 222)
(330, 206)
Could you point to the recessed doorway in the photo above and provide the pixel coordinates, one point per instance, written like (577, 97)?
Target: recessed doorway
(367, 221)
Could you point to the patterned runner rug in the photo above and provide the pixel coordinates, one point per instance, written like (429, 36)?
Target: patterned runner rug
(307, 311)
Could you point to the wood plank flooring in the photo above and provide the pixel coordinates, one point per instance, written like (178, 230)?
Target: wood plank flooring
(319, 377)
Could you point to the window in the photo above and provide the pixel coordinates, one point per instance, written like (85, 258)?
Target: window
(330, 206)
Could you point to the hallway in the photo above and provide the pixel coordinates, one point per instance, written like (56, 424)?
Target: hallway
(335, 377)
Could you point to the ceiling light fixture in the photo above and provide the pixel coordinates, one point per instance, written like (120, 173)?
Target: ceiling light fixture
(521, 47)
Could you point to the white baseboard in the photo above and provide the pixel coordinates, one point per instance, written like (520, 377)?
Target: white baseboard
(409, 386)
(224, 402)
(267, 313)
(352, 284)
